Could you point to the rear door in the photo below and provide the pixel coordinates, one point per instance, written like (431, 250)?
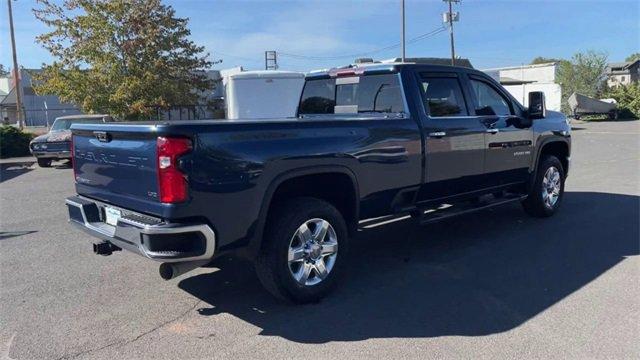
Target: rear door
(384, 140)
(508, 144)
(454, 138)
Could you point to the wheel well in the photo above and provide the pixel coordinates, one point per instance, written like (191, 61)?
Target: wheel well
(559, 149)
(335, 188)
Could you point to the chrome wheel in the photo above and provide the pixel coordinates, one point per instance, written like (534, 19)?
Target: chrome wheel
(312, 252)
(551, 185)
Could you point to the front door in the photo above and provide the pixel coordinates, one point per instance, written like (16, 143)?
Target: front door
(454, 139)
(508, 143)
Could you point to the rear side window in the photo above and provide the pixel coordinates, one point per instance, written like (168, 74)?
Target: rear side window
(364, 94)
(443, 97)
(488, 100)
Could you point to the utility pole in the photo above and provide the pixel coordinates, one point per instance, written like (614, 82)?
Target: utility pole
(402, 32)
(450, 17)
(16, 70)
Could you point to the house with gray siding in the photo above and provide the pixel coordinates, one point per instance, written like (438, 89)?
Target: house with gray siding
(623, 73)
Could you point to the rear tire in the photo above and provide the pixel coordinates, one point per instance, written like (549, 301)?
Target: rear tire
(299, 270)
(44, 163)
(546, 193)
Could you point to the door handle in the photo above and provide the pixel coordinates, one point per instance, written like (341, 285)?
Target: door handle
(493, 131)
(437, 134)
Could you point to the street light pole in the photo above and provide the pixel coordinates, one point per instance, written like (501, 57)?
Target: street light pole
(402, 32)
(16, 70)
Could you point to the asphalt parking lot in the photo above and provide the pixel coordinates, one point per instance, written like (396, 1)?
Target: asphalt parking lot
(495, 284)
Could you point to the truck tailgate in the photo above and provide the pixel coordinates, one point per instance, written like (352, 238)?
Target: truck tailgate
(110, 160)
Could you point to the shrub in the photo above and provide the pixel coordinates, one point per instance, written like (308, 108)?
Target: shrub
(584, 74)
(13, 142)
(628, 98)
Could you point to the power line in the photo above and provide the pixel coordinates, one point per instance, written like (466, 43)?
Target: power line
(338, 57)
(356, 55)
(218, 53)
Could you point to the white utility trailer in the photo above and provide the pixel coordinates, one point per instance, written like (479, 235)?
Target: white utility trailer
(267, 94)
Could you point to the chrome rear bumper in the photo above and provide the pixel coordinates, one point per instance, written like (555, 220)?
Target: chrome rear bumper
(65, 154)
(147, 236)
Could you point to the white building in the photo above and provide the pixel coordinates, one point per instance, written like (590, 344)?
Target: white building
(521, 80)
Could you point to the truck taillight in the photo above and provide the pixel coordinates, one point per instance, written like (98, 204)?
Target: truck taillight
(172, 183)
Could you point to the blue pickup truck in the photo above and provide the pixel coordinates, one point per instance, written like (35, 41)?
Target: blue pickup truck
(369, 142)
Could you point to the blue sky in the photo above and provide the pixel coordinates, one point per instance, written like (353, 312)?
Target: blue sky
(490, 33)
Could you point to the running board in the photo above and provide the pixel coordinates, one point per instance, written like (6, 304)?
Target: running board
(446, 211)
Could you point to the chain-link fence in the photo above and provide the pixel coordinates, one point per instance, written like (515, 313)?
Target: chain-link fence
(187, 112)
(45, 117)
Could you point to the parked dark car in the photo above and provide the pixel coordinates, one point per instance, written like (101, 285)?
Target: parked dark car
(369, 143)
(56, 144)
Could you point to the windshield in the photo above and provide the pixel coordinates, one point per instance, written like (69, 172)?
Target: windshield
(65, 124)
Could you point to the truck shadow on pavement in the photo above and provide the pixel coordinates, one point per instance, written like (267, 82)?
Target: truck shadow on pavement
(13, 169)
(476, 275)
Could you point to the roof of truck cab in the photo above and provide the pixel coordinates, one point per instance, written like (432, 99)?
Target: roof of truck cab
(270, 74)
(391, 67)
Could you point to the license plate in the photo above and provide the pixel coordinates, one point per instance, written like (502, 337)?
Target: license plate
(112, 215)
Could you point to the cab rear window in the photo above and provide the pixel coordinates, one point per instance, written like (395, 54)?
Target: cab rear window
(353, 95)
(318, 97)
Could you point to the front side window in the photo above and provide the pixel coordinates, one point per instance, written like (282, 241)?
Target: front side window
(489, 101)
(443, 97)
(364, 94)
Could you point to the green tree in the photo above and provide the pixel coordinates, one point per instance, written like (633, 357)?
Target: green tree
(633, 57)
(628, 99)
(124, 57)
(544, 60)
(584, 74)
(3, 71)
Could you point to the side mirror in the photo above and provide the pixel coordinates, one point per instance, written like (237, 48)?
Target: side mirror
(537, 107)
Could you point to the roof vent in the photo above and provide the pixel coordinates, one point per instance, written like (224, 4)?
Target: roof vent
(364, 61)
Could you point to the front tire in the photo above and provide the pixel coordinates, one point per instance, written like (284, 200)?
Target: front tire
(546, 193)
(44, 163)
(304, 250)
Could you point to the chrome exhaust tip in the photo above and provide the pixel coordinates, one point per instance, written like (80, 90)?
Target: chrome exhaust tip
(170, 271)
